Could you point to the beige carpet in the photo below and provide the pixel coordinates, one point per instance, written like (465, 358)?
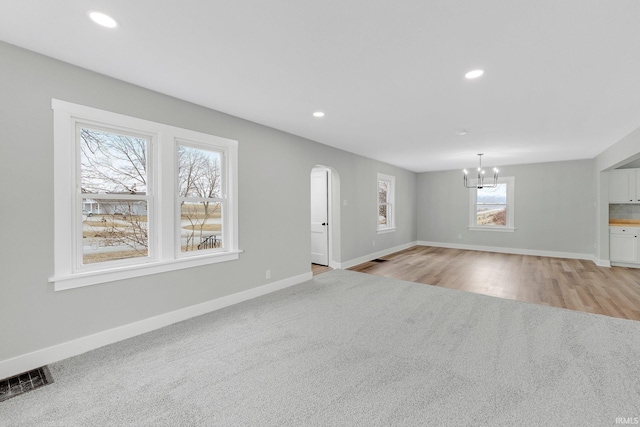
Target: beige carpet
(352, 349)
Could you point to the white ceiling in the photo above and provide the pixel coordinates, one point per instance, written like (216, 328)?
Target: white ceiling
(562, 77)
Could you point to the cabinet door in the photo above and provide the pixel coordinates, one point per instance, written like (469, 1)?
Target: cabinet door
(623, 248)
(636, 186)
(620, 183)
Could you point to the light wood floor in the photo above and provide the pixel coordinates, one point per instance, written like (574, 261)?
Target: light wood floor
(568, 283)
(318, 269)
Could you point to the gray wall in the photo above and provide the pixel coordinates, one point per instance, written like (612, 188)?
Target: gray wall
(554, 208)
(274, 200)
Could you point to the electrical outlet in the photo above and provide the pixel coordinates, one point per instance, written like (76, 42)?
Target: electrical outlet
(268, 274)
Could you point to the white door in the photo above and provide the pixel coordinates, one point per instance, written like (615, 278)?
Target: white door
(319, 214)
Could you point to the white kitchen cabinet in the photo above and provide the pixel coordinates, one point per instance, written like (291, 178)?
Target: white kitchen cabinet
(624, 186)
(624, 245)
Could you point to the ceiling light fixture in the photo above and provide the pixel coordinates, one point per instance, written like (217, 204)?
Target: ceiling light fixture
(480, 183)
(474, 74)
(102, 19)
(318, 114)
(461, 132)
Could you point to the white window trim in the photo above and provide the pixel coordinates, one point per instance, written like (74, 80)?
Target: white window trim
(510, 227)
(391, 198)
(162, 256)
(386, 230)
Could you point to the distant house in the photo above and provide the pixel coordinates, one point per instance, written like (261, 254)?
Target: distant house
(114, 207)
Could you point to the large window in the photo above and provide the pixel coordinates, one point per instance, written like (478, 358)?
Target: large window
(134, 197)
(386, 199)
(492, 208)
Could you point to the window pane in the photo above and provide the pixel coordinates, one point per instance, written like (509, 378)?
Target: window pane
(113, 230)
(199, 172)
(200, 226)
(497, 195)
(112, 163)
(382, 215)
(383, 191)
(491, 215)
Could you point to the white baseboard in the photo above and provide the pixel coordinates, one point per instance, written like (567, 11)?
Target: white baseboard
(374, 255)
(624, 264)
(602, 262)
(334, 265)
(29, 361)
(516, 251)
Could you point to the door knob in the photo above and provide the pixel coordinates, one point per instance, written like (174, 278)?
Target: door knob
(324, 223)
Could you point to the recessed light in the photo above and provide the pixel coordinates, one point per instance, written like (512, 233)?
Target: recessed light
(102, 19)
(318, 114)
(461, 132)
(474, 74)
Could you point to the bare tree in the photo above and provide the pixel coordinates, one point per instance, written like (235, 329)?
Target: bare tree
(112, 163)
(500, 217)
(198, 173)
(383, 189)
(198, 178)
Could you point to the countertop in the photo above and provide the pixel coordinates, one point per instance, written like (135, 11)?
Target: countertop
(624, 222)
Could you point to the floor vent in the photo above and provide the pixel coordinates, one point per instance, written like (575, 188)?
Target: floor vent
(25, 382)
(379, 260)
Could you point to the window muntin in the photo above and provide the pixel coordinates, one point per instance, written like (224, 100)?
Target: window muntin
(492, 208)
(385, 205)
(140, 204)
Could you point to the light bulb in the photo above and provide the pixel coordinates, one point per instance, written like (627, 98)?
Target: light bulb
(102, 19)
(474, 74)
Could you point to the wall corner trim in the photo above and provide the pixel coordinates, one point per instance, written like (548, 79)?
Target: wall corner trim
(602, 262)
(29, 361)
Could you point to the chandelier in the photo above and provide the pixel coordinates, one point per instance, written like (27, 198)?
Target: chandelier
(480, 182)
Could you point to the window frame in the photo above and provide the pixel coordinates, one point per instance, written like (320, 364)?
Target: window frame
(473, 201)
(162, 193)
(391, 194)
(149, 198)
(223, 199)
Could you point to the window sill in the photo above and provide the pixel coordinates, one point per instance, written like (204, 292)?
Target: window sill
(78, 280)
(498, 229)
(386, 230)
